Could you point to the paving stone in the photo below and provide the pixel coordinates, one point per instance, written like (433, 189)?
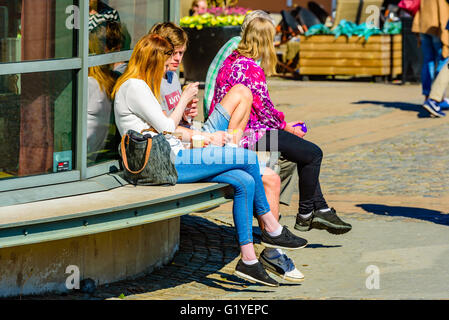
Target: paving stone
(388, 178)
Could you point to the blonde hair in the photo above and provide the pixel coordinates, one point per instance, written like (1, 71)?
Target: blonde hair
(170, 31)
(250, 16)
(258, 43)
(147, 63)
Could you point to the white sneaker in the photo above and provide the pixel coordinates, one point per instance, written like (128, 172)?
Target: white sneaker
(283, 266)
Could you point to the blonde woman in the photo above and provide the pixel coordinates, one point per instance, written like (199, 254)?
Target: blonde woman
(137, 107)
(267, 129)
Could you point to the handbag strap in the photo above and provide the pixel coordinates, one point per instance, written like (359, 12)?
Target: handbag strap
(155, 131)
(125, 160)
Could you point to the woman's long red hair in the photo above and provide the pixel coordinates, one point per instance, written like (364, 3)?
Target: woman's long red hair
(147, 63)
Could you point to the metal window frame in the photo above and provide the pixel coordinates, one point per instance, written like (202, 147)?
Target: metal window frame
(40, 66)
(108, 58)
(80, 65)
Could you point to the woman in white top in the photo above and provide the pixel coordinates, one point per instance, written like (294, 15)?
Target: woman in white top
(136, 107)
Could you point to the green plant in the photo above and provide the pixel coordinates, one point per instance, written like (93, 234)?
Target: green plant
(209, 20)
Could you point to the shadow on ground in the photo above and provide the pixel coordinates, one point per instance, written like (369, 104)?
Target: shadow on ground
(205, 248)
(422, 113)
(408, 212)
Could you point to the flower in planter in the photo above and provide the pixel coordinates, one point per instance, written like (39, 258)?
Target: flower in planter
(216, 17)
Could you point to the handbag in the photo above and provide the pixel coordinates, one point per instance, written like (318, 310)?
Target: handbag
(146, 159)
(411, 6)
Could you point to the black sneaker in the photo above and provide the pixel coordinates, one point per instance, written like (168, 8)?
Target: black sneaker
(254, 272)
(323, 220)
(286, 240)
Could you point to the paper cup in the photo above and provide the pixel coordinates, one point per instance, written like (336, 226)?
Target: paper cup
(198, 141)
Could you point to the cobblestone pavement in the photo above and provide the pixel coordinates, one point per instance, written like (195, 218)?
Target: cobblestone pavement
(385, 170)
(416, 163)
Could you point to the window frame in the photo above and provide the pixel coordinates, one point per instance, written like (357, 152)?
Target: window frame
(80, 65)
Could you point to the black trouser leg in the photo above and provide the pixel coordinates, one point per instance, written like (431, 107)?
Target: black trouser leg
(307, 156)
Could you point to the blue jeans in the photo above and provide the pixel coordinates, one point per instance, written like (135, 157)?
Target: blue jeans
(431, 47)
(235, 166)
(217, 121)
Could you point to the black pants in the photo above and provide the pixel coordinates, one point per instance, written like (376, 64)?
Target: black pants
(307, 156)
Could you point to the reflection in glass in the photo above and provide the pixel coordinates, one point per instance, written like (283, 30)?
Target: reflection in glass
(36, 123)
(100, 12)
(35, 30)
(102, 136)
(136, 16)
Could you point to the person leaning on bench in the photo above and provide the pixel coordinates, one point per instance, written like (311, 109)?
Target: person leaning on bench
(273, 258)
(136, 107)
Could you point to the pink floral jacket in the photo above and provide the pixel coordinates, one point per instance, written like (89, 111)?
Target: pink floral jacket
(238, 69)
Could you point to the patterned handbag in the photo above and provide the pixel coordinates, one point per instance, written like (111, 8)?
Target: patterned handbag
(146, 159)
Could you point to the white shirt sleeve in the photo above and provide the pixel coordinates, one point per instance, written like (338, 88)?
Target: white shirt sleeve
(142, 102)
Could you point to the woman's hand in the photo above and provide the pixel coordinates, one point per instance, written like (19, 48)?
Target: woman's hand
(217, 138)
(191, 109)
(295, 130)
(190, 92)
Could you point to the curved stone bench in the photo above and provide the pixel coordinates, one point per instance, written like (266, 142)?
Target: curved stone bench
(109, 236)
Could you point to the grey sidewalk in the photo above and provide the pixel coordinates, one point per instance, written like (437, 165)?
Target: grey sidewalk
(385, 170)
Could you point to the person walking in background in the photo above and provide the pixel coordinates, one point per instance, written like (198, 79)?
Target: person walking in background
(436, 98)
(430, 23)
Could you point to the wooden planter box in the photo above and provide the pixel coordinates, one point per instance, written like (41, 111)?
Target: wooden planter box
(381, 55)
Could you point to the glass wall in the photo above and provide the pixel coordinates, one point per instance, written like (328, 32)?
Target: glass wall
(58, 62)
(36, 123)
(35, 30)
(135, 16)
(114, 26)
(36, 108)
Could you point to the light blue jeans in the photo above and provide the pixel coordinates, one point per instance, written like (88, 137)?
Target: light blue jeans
(217, 121)
(235, 166)
(433, 60)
